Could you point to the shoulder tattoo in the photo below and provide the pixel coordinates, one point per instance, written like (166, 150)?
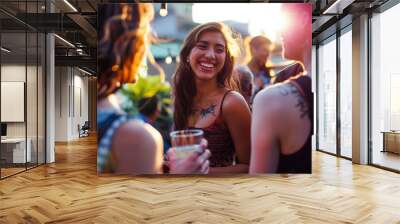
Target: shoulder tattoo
(301, 104)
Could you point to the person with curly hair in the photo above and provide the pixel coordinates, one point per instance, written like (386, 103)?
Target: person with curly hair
(126, 144)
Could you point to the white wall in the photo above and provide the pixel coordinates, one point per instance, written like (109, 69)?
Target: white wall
(11, 73)
(71, 94)
(61, 103)
(16, 73)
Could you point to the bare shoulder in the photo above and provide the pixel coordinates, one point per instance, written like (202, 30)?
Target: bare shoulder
(234, 100)
(138, 148)
(272, 97)
(135, 132)
(282, 98)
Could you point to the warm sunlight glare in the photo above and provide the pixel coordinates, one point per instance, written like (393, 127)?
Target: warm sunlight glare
(261, 18)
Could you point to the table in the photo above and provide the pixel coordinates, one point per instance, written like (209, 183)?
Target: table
(391, 141)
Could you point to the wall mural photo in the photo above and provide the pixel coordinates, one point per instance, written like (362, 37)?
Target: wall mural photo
(198, 88)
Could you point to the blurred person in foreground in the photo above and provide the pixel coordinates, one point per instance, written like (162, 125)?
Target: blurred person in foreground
(245, 79)
(260, 49)
(204, 97)
(126, 144)
(297, 43)
(283, 113)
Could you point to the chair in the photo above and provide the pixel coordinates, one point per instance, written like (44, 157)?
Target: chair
(84, 130)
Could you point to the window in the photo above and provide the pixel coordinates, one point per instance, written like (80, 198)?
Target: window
(327, 96)
(346, 94)
(385, 89)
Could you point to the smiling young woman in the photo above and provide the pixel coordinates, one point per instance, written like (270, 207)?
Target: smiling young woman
(205, 97)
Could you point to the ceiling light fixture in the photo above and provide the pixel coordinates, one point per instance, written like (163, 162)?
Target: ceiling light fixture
(70, 5)
(337, 7)
(5, 50)
(65, 41)
(84, 71)
(331, 8)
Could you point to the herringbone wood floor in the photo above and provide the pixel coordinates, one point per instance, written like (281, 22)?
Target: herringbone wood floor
(69, 191)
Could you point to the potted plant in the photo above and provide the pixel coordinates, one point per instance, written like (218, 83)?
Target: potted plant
(150, 98)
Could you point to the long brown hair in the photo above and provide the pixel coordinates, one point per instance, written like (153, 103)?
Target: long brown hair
(184, 85)
(124, 30)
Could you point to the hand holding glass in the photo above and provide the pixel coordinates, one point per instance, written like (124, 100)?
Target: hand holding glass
(189, 154)
(186, 141)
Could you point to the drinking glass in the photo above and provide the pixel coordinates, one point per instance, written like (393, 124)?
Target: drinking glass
(185, 142)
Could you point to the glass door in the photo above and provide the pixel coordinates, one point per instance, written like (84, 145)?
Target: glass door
(22, 76)
(14, 154)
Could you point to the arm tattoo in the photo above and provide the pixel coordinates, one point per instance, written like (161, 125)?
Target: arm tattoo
(287, 89)
(208, 110)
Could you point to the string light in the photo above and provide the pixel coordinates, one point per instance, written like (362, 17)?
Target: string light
(163, 9)
(168, 59)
